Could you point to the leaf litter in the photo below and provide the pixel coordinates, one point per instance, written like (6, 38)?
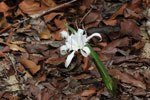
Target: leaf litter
(29, 34)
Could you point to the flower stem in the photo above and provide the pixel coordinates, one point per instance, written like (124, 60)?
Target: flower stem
(108, 81)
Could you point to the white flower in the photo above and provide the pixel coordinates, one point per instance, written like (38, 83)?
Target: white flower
(75, 42)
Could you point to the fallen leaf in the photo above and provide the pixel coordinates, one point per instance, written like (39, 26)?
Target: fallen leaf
(130, 28)
(24, 28)
(55, 61)
(127, 78)
(89, 92)
(49, 3)
(30, 65)
(16, 48)
(92, 17)
(139, 92)
(3, 21)
(87, 3)
(80, 76)
(60, 25)
(119, 12)
(32, 7)
(46, 94)
(85, 65)
(4, 8)
(36, 48)
(45, 34)
(111, 47)
(134, 5)
(139, 44)
(110, 22)
(2, 55)
(18, 42)
(50, 16)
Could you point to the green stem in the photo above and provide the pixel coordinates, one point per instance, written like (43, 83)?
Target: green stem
(109, 83)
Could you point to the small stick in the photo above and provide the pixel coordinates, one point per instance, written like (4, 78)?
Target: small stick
(9, 36)
(48, 11)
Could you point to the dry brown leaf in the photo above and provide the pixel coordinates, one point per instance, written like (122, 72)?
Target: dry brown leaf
(119, 12)
(32, 7)
(60, 24)
(92, 17)
(4, 8)
(18, 42)
(45, 34)
(132, 14)
(50, 16)
(3, 21)
(81, 76)
(24, 28)
(111, 47)
(87, 3)
(55, 61)
(89, 92)
(130, 28)
(139, 44)
(127, 78)
(85, 60)
(30, 65)
(49, 3)
(2, 55)
(16, 48)
(110, 22)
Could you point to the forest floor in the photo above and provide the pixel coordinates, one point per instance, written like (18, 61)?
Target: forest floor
(32, 68)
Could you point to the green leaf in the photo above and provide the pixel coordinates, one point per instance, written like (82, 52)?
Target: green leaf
(70, 28)
(110, 83)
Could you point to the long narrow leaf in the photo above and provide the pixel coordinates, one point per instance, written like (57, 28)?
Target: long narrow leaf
(70, 28)
(109, 83)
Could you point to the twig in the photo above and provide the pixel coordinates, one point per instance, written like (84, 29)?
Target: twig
(85, 15)
(48, 11)
(9, 36)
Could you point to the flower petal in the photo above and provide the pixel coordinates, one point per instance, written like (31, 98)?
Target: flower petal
(69, 59)
(85, 51)
(64, 34)
(94, 34)
(80, 31)
(63, 50)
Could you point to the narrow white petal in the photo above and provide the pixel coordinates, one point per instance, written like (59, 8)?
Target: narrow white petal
(80, 31)
(94, 34)
(69, 59)
(64, 34)
(63, 50)
(85, 51)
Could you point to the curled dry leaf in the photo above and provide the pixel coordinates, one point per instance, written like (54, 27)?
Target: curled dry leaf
(24, 28)
(16, 48)
(127, 78)
(45, 34)
(30, 65)
(139, 44)
(50, 16)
